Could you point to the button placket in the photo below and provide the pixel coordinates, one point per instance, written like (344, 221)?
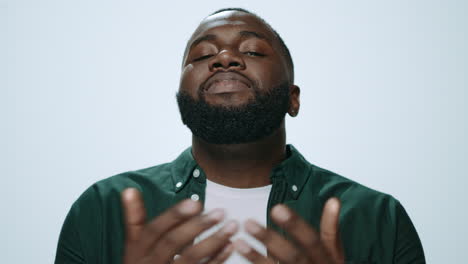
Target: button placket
(294, 188)
(195, 197)
(196, 173)
(197, 184)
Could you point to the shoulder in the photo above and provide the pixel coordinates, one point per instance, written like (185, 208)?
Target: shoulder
(156, 183)
(147, 180)
(99, 206)
(94, 222)
(321, 184)
(354, 196)
(333, 184)
(371, 222)
(159, 175)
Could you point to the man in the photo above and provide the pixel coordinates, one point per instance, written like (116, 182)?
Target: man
(236, 87)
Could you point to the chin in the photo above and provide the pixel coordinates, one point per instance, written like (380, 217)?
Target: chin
(229, 99)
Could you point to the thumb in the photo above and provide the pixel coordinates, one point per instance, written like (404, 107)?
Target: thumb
(329, 229)
(134, 213)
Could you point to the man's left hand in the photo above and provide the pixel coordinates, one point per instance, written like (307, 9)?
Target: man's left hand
(308, 246)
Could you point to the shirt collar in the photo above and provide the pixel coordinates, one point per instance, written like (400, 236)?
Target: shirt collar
(294, 170)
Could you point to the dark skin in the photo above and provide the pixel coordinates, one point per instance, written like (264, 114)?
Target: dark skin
(228, 55)
(235, 41)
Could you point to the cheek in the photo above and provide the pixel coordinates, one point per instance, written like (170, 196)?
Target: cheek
(269, 75)
(191, 79)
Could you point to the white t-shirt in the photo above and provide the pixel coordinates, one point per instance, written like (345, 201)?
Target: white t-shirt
(239, 204)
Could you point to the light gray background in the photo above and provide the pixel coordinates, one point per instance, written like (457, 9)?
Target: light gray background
(88, 91)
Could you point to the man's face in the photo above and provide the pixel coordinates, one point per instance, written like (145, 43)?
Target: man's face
(229, 57)
(235, 83)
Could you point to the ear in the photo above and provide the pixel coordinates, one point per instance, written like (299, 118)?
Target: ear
(294, 100)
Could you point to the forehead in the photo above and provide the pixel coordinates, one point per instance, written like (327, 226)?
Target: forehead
(227, 21)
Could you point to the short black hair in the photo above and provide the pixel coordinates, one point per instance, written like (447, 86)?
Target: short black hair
(285, 50)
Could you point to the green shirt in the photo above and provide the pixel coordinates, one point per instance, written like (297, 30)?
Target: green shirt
(374, 226)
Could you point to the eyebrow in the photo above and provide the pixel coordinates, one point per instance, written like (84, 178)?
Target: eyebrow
(247, 34)
(253, 34)
(201, 39)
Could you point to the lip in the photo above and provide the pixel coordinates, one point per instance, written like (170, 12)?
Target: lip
(226, 82)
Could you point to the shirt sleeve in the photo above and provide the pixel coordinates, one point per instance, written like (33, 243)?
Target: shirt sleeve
(408, 248)
(80, 238)
(69, 249)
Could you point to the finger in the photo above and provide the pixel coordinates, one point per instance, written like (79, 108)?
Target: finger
(329, 229)
(277, 246)
(168, 220)
(134, 213)
(211, 247)
(223, 255)
(172, 242)
(250, 253)
(305, 236)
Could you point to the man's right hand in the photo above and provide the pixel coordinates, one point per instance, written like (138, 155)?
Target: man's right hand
(173, 232)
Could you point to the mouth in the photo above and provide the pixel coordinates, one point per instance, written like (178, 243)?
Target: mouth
(226, 82)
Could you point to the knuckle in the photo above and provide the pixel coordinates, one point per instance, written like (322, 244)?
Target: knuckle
(201, 223)
(267, 236)
(311, 242)
(264, 235)
(218, 259)
(169, 241)
(153, 229)
(254, 256)
(220, 236)
(327, 234)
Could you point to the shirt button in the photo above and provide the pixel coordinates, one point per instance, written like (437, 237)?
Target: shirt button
(294, 188)
(178, 184)
(195, 197)
(196, 173)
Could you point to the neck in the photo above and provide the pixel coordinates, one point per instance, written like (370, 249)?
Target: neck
(245, 165)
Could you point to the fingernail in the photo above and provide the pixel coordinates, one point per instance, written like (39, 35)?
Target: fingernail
(188, 207)
(252, 227)
(216, 215)
(230, 228)
(129, 194)
(242, 247)
(280, 212)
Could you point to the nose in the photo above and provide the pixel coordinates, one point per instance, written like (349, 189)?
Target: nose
(227, 60)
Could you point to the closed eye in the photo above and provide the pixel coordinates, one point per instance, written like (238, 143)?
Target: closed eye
(254, 54)
(203, 57)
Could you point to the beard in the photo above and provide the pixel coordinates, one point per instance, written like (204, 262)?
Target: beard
(249, 122)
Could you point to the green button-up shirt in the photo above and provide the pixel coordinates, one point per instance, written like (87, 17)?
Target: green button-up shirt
(374, 226)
